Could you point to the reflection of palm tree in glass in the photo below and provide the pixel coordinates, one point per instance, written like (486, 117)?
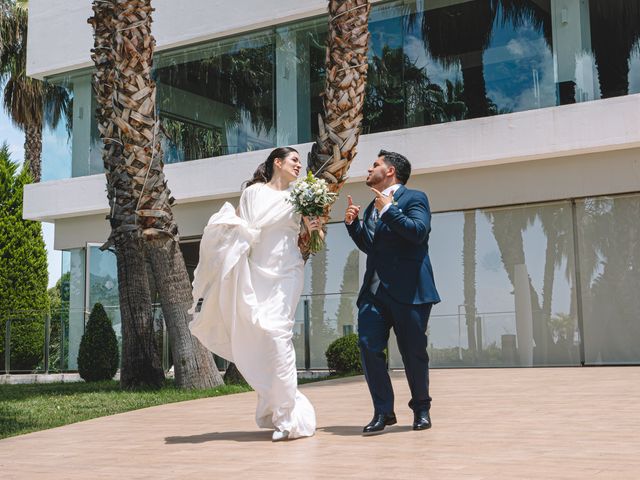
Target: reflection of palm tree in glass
(400, 94)
(559, 244)
(615, 29)
(242, 79)
(508, 227)
(348, 291)
(612, 303)
(469, 269)
(319, 330)
(458, 35)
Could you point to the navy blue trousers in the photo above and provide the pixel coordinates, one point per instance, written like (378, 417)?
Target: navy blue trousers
(377, 314)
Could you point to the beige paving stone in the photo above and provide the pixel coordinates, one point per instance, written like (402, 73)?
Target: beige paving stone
(542, 423)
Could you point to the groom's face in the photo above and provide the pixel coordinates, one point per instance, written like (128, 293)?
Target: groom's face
(380, 174)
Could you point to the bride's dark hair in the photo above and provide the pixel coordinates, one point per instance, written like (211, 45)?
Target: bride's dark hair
(264, 172)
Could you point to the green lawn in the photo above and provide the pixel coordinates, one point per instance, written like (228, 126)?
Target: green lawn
(28, 408)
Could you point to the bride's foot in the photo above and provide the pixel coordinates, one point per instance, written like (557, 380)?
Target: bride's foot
(278, 435)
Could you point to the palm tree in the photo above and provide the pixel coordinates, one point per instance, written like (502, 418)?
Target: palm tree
(458, 35)
(344, 95)
(615, 31)
(30, 103)
(144, 231)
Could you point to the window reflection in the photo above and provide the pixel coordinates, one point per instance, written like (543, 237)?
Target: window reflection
(610, 275)
(510, 299)
(217, 99)
(615, 37)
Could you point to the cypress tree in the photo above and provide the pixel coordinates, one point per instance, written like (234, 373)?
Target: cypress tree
(98, 357)
(23, 270)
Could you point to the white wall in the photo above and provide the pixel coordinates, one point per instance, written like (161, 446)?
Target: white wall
(60, 39)
(507, 184)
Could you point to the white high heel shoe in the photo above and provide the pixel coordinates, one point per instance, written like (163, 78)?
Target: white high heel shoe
(279, 435)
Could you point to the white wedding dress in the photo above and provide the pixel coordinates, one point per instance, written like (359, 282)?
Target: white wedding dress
(250, 277)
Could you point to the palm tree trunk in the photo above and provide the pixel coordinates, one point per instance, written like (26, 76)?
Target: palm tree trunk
(343, 98)
(469, 268)
(140, 359)
(508, 235)
(193, 364)
(474, 94)
(33, 149)
(318, 330)
(547, 291)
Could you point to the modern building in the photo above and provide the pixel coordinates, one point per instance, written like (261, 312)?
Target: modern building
(521, 119)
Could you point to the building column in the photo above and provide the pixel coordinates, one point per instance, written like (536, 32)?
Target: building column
(572, 51)
(82, 115)
(289, 96)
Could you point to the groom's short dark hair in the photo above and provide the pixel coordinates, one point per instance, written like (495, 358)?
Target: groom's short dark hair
(400, 162)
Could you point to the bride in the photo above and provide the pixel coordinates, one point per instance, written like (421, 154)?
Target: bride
(246, 288)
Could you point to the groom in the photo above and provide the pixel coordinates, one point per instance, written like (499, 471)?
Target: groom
(398, 289)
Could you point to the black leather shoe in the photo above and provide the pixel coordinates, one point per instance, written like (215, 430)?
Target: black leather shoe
(380, 420)
(421, 420)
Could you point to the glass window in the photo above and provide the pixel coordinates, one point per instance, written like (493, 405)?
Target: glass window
(331, 286)
(615, 46)
(57, 132)
(103, 285)
(507, 288)
(429, 62)
(609, 248)
(218, 98)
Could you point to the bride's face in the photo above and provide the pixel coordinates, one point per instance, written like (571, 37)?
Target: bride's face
(288, 167)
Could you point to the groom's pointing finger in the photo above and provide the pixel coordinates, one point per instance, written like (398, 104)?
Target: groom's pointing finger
(349, 201)
(378, 193)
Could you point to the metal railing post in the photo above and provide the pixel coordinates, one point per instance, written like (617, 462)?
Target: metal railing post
(307, 333)
(7, 348)
(62, 325)
(47, 341)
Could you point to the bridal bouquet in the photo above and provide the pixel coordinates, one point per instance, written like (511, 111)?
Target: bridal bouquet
(310, 197)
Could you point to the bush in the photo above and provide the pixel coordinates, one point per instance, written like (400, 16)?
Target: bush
(23, 270)
(343, 355)
(98, 357)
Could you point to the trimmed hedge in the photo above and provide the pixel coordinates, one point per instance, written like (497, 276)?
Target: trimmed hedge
(98, 357)
(343, 355)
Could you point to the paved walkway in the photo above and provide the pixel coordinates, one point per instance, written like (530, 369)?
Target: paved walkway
(552, 423)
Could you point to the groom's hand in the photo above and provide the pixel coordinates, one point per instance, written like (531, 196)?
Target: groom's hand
(381, 199)
(352, 211)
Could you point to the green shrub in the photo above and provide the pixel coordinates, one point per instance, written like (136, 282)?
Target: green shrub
(98, 357)
(343, 355)
(23, 270)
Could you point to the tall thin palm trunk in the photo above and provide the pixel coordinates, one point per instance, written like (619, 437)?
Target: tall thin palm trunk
(33, 149)
(140, 359)
(193, 364)
(469, 274)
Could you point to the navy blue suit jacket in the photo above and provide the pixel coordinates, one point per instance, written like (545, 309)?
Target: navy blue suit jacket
(399, 250)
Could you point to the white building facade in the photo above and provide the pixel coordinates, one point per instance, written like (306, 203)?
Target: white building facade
(521, 120)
